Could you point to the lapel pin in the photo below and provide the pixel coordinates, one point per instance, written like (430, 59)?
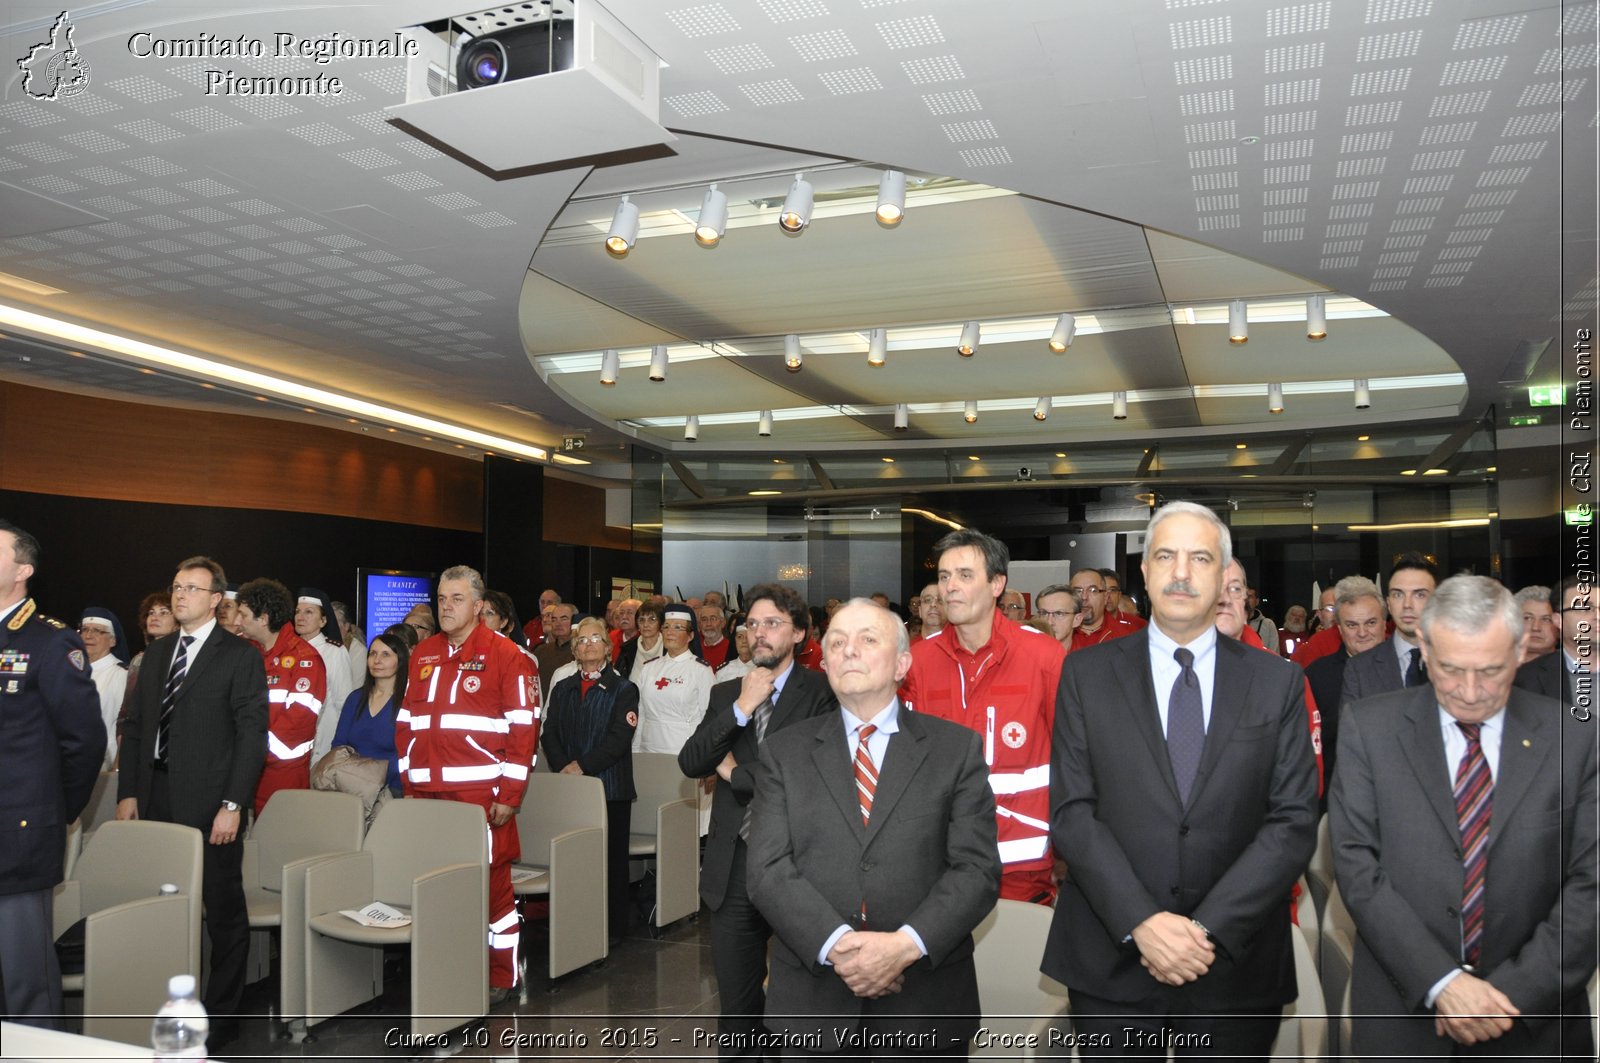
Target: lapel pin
(1526, 744)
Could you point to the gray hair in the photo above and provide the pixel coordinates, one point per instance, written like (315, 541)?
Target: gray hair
(902, 637)
(1469, 604)
(464, 572)
(1054, 588)
(1536, 593)
(1193, 509)
(1354, 588)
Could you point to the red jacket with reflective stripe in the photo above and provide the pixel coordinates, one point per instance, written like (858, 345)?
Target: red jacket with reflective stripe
(1007, 693)
(470, 720)
(297, 684)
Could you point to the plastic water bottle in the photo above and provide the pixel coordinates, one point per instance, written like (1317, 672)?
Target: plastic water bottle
(180, 1029)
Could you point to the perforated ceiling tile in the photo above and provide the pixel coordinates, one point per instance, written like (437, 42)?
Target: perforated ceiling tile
(391, 79)
(1282, 236)
(738, 59)
(208, 261)
(1514, 175)
(374, 122)
(412, 180)
(695, 104)
(104, 175)
(1395, 10)
(142, 88)
(851, 81)
(1373, 113)
(54, 184)
(918, 32)
(1449, 133)
(1200, 71)
(958, 101)
(1380, 46)
(411, 269)
(1465, 71)
(1460, 253)
(1214, 182)
(1578, 19)
(933, 69)
(205, 186)
(1201, 33)
(1286, 93)
(95, 141)
(1206, 158)
(1300, 18)
(1355, 190)
(205, 238)
(781, 11)
(1341, 262)
(1443, 282)
(771, 93)
(1207, 132)
(963, 132)
(88, 104)
(1426, 205)
(1341, 247)
(997, 155)
(1517, 152)
(26, 112)
(1389, 258)
(1437, 160)
(265, 107)
(1368, 167)
(1290, 58)
(1459, 103)
(377, 257)
(1434, 183)
(1527, 125)
(130, 273)
(290, 247)
(299, 225)
(207, 215)
(1217, 222)
(1489, 32)
(154, 165)
(1285, 197)
(249, 254)
(1360, 143)
(420, 150)
(1206, 204)
(1349, 228)
(369, 158)
(1197, 103)
(1377, 82)
(1276, 218)
(258, 208)
(118, 205)
(1482, 217)
(39, 151)
(7, 165)
(490, 219)
(822, 46)
(1286, 175)
(1547, 92)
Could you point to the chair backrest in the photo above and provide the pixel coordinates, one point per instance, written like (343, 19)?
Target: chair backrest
(102, 806)
(130, 859)
(554, 804)
(658, 781)
(1014, 931)
(415, 836)
(300, 823)
(1303, 1032)
(1321, 866)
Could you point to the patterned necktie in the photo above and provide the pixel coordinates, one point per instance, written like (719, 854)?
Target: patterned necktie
(1186, 724)
(1416, 671)
(1474, 800)
(866, 773)
(169, 697)
(762, 717)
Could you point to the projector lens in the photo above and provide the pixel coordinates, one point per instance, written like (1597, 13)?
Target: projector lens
(484, 63)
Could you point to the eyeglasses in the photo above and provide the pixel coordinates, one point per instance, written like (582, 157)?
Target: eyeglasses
(590, 640)
(771, 623)
(1012, 608)
(1234, 590)
(190, 588)
(1091, 590)
(1056, 614)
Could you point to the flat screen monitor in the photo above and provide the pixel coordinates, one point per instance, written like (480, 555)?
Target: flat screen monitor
(388, 594)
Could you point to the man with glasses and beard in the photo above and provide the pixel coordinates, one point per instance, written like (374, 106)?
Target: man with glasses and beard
(742, 713)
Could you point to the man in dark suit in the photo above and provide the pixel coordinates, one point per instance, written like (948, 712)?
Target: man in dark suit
(1396, 662)
(742, 714)
(192, 752)
(873, 855)
(1358, 615)
(1463, 824)
(49, 761)
(1183, 795)
(1567, 675)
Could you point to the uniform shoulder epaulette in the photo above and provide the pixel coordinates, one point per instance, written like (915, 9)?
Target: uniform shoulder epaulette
(20, 617)
(52, 621)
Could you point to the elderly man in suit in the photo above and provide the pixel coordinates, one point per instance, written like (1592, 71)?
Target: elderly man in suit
(1397, 661)
(1568, 674)
(742, 715)
(1183, 797)
(873, 855)
(193, 748)
(1463, 824)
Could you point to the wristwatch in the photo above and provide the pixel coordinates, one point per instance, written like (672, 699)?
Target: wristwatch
(230, 806)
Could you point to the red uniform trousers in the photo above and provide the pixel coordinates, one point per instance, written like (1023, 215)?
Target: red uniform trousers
(282, 775)
(504, 848)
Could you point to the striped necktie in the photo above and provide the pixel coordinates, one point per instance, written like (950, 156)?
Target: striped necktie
(866, 773)
(169, 696)
(1474, 801)
(762, 717)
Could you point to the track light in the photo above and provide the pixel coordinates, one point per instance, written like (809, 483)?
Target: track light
(691, 428)
(1363, 394)
(1238, 323)
(1061, 338)
(713, 217)
(791, 353)
(969, 340)
(658, 362)
(891, 197)
(1316, 317)
(610, 365)
(1274, 398)
(971, 415)
(1119, 405)
(902, 416)
(796, 213)
(1041, 409)
(624, 231)
(877, 346)
(764, 424)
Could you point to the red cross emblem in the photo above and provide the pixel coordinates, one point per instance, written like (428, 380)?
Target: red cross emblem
(1014, 734)
(663, 683)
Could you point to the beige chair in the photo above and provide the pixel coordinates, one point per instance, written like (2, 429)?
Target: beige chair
(134, 939)
(102, 806)
(666, 826)
(1319, 876)
(69, 856)
(562, 830)
(1338, 958)
(1305, 914)
(1018, 1001)
(430, 859)
(1303, 1032)
(1594, 1005)
(295, 828)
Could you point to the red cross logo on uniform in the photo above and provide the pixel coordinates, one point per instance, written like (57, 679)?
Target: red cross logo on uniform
(663, 683)
(1014, 734)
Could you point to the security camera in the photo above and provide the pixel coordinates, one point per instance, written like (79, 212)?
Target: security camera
(1024, 473)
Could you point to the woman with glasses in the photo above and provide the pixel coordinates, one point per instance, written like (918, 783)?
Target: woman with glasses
(588, 730)
(500, 616)
(640, 651)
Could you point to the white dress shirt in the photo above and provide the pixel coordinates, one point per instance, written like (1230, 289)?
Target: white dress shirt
(1165, 670)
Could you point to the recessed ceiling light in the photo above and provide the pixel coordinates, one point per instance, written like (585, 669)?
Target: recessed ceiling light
(1362, 439)
(758, 494)
(1239, 446)
(152, 372)
(258, 398)
(888, 461)
(973, 457)
(308, 409)
(1061, 453)
(352, 420)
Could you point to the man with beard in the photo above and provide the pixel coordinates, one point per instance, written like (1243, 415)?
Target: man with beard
(743, 712)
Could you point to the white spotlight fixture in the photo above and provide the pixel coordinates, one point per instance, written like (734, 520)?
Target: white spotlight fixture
(877, 346)
(796, 214)
(969, 340)
(658, 362)
(902, 416)
(1363, 394)
(892, 197)
(1316, 317)
(691, 428)
(1119, 405)
(791, 353)
(1274, 398)
(610, 366)
(713, 217)
(624, 230)
(764, 424)
(1238, 322)
(971, 414)
(1061, 338)
(1041, 409)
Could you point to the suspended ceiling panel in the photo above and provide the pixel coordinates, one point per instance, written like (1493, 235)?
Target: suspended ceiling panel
(1280, 351)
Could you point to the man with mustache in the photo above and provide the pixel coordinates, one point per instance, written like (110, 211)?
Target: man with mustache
(1396, 662)
(742, 713)
(1183, 798)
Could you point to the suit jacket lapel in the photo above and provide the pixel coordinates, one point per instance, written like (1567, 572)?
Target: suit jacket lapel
(793, 691)
(1233, 676)
(903, 759)
(1139, 691)
(197, 662)
(1524, 747)
(832, 757)
(1424, 748)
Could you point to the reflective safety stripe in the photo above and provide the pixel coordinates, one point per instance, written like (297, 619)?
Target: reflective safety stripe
(461, 721)
(421, 774)
(516, 716)
(1016, 782)
(1011, 813)
(476, 773)
(418, 723)
(277, 748)
(503, 941)
(277, 695)
(514, 771)
(1014, 852)
(403, 716)
(305, 701)
(504, 923)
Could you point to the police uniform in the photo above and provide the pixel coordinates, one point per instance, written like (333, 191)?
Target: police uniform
(297, 686)
(51, 744)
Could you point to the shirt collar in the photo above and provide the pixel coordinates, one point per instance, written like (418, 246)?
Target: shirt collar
(1402, 648)
(1493, 724)
(1163, 645)
(887, 722)
(13, 607)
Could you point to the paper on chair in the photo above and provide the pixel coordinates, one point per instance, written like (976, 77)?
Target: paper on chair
(378, 914)
(523, 874)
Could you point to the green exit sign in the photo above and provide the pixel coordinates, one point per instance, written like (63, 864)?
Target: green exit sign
(1525, 420)
(1581, 514)
(1554, 395)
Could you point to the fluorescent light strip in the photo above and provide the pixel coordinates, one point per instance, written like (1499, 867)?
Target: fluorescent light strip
(1463, 522)
(148, 353)
(1339, 307)
(637, 357)
(1332, 387)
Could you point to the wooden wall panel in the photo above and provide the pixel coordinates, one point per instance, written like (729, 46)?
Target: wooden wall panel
(576, 513)
(53, 442)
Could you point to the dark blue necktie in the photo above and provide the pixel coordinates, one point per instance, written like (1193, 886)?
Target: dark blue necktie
(1186, 725)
